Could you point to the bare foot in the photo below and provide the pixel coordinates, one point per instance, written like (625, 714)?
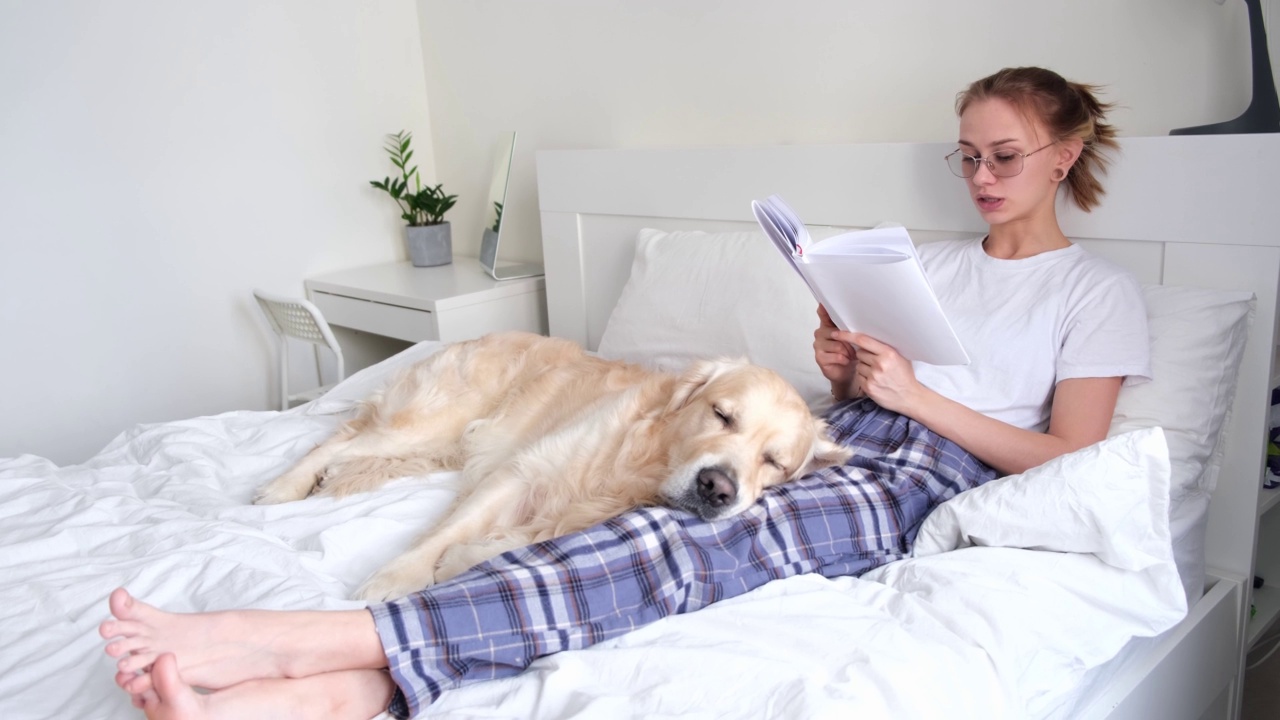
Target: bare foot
(170, 698)
(220, 649)
(353, 694)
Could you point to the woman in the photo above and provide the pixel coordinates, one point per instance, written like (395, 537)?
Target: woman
(1053, 333)
(1034, 310)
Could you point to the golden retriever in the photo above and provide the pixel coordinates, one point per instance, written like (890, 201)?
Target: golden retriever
(551, 440)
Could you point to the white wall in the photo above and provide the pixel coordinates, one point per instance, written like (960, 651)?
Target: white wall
(617, 73)
(158, 160)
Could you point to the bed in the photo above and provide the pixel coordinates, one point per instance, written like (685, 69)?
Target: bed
(1108, 584)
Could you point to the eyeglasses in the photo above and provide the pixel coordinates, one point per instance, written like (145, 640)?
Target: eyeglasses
(1001, 163)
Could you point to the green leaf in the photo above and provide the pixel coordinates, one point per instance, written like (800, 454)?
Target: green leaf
(421, 206)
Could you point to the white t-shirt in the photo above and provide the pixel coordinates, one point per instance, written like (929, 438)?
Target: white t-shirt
(1029, 323)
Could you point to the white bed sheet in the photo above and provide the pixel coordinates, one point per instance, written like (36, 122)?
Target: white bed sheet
(982, 632)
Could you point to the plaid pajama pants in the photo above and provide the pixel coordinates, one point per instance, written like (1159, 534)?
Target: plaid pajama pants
(573, 591)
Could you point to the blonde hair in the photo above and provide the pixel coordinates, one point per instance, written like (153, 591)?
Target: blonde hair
(1068, 109)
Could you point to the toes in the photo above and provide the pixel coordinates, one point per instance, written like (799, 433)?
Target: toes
(120, 648)
(169, 686)
(167, 679)
(135, 662)
(122, 604)
(117, 629)
(135, 684)
(129, 611)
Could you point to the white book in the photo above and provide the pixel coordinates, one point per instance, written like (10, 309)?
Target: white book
(870, 281)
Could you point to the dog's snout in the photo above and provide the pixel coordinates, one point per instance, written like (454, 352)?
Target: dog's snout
(717, 486)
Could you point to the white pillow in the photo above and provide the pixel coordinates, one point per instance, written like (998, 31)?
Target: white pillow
(1197, 341)
(696, 294)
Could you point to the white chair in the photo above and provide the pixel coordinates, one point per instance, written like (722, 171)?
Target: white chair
(292, 317)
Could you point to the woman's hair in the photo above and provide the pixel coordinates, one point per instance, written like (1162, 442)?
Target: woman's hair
(1067, 109)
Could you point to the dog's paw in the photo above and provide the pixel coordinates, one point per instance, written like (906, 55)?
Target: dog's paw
(326, 479)
(377, 591)
(282, 490)
(400, 577)
(333, 482)
(385, 586)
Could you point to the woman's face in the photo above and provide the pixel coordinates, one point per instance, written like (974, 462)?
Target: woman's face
(995, 129)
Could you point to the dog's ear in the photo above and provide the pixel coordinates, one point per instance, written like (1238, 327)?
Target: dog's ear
(825, 452)
(696, 377)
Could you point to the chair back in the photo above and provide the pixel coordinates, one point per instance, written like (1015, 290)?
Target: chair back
(297, 318)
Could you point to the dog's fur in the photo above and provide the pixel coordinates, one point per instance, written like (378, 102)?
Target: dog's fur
(552, 440)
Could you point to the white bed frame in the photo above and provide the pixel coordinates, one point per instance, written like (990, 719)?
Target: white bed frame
(1201, 211)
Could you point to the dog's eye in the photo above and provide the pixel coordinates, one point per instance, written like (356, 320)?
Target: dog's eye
(725, 417)
(769, 460)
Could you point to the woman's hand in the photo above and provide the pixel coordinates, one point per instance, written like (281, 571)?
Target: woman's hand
(859, 365)
(883, 375)
(836, 358)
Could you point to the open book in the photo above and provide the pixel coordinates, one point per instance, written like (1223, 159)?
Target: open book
(870, 281)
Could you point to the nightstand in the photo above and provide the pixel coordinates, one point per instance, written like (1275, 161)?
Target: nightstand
(450, 302)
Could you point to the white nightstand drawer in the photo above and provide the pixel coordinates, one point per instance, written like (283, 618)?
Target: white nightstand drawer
(379, 318)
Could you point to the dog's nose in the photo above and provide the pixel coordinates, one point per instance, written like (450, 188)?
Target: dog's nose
(717, 487)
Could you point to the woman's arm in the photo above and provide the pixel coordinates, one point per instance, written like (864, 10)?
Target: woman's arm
(1080, 415)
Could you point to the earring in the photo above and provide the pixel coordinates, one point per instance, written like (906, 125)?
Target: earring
(1059, 174)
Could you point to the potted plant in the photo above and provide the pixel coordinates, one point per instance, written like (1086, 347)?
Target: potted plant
(427, 236)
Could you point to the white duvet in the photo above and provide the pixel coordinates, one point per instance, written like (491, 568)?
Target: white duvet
(1016, 591)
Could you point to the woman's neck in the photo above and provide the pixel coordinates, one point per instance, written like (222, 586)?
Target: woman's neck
(1016, 240)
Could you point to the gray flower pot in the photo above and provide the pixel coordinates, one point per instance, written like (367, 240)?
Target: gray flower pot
(429, 245)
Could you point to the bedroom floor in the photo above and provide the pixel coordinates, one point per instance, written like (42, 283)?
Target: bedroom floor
(1262, 690)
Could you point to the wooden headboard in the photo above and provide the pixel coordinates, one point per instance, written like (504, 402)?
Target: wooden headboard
(1189, 210)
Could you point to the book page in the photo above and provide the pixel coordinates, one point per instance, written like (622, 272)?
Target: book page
(767, 213)
(781, 224)
(870, 281)
(892, 239)
(890, 301)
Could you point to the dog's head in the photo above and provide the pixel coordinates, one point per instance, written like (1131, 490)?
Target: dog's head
(734, 429)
